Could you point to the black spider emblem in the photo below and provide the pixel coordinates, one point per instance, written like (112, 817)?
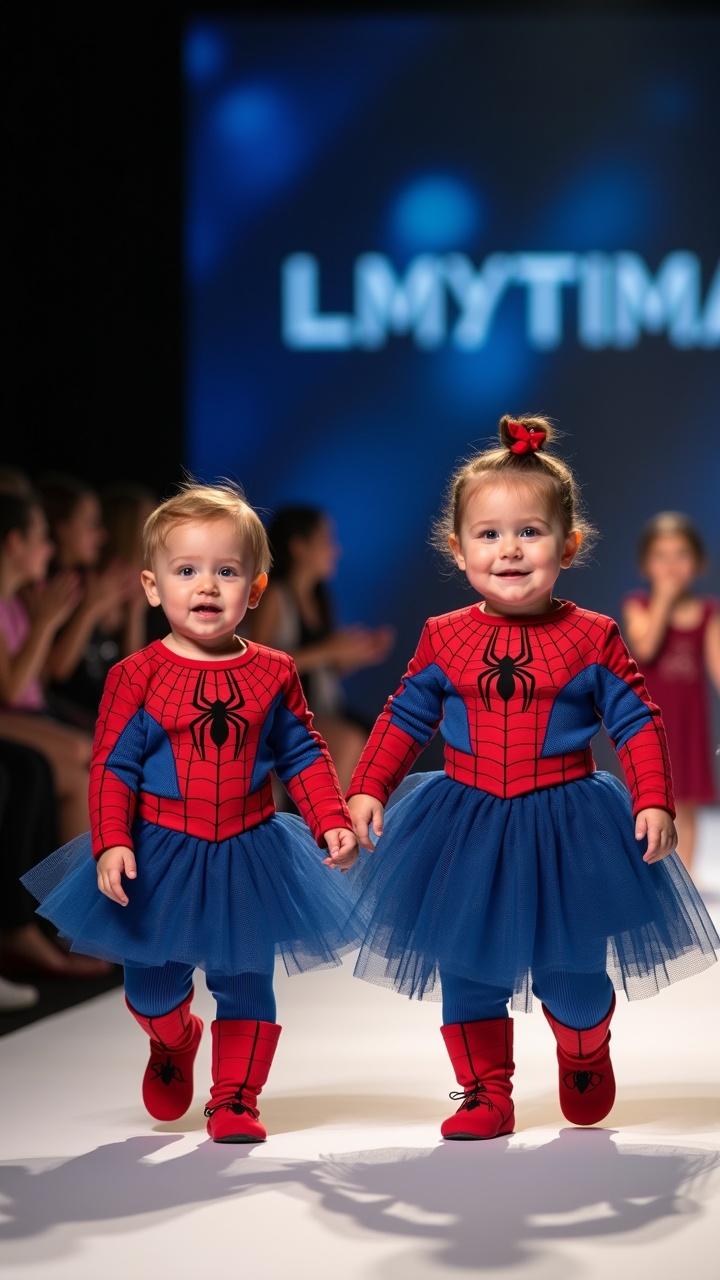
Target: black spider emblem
(167, 1072)
(583, 1081)
(218, 715)
(506, 671)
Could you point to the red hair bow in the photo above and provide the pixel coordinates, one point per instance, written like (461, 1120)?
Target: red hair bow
(527, 439)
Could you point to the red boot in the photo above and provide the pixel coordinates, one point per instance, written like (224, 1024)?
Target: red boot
(481, 1055)
(167, 1087)
(587, 1083)
(243, 1050)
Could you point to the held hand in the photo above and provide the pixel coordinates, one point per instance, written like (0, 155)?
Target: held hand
(659, 828)
(364, 811)
(342, 848)
(112, 864)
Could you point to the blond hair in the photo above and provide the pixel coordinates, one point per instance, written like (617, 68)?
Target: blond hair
(543, 471)
(222, 501)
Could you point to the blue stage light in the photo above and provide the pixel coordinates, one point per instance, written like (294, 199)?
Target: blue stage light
(203, 54)
(488, 379)
(259, 130)
(604, 207)
(435, 212)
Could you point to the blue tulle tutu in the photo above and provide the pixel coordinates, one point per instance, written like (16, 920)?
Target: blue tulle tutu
(492, 890)
(227, 907)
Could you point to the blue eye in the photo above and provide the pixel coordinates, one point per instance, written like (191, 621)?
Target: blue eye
(185, 570)
(227, 572)
(489, 534)
(530, 531)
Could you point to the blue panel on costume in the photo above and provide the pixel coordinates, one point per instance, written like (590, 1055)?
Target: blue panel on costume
(265, 756)
(454, 727)
(623, 712)
(293, 747)
(142, 756)
(159, 770)
(417, 709)
(579, 706)
(125, 759)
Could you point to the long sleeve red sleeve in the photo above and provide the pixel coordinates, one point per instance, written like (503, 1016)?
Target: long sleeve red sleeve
(407, 723)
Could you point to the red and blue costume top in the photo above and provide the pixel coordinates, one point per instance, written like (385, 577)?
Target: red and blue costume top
(518, 701)
(189, 745)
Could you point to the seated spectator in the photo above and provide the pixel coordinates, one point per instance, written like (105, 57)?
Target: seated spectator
(27, 630)
(295, 614)
(91, 641)
(13, 995)
(13, 480)
(27, 834)
(125, 508)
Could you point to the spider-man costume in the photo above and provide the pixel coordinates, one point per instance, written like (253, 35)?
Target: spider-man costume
(189, 746)
(520, 858)
(181, 772)
(519, 707)
(515, 869)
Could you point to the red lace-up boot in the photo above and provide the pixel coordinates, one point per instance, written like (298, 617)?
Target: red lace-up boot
(167, 1086)
(587, 1083)
(243, 1050)
(482, 1057)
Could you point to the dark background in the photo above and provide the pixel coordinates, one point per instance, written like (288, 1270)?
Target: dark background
(98, 368)
(92, 125)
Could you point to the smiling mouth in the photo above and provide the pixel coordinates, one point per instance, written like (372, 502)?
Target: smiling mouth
(513, 573)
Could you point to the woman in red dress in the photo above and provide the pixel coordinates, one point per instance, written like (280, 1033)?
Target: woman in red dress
(675, 636)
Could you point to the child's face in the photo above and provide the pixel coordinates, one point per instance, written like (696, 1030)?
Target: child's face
(509, 548)
(671, 559)
(203, 578)
(81, 536)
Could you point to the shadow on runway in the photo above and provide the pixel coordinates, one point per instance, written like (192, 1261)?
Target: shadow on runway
(294, 1113)
(465, 1205)
(678, 1109)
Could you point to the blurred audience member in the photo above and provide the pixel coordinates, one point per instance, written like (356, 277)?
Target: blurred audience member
(13, 480)
(675, 635)
(27, 631)
(91, 641)
(125, 508)
(27, 834)
(296, 615)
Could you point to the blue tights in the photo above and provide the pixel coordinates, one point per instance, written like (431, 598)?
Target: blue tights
(154, 991)
(577, 999)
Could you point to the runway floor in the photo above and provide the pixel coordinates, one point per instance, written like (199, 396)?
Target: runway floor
(354, 1181)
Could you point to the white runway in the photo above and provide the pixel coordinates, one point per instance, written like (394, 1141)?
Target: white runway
(354, 1181)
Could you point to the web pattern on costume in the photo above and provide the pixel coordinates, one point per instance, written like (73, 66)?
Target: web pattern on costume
(519, 706)
(191, 748)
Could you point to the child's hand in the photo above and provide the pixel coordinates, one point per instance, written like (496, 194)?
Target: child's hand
(365, 810)
(111, 865)
(659, 828)
(342, 848)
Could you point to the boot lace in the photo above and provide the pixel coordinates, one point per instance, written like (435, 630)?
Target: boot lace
(234, 1103)
(477, 1096)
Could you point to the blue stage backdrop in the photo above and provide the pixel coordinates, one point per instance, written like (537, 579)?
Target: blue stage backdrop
(398, 229)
